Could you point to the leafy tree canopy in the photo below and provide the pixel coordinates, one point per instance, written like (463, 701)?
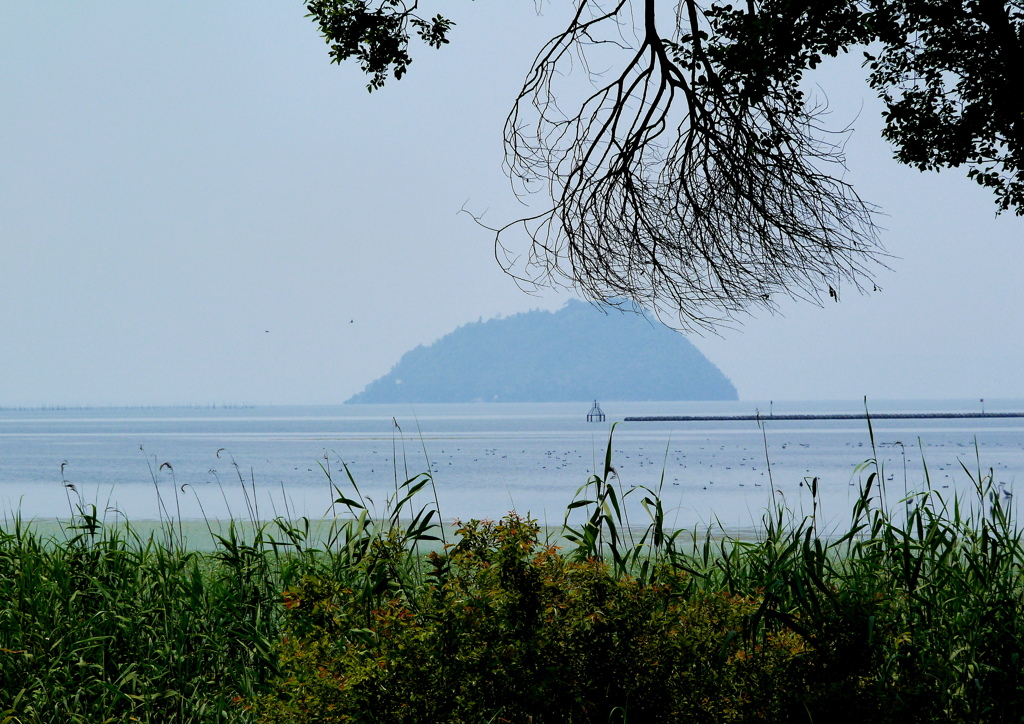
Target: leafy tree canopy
(951, 72)
(695, 177)
(376, 34)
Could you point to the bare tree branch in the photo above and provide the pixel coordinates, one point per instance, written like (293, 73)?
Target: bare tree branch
(671, 187)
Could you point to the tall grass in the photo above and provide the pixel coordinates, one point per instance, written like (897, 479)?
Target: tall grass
(99, 623)
(913, 612)
(106, 626)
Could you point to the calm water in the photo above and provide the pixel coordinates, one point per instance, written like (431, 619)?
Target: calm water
(486, 458)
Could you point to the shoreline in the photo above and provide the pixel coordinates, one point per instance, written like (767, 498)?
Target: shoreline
(196, 533)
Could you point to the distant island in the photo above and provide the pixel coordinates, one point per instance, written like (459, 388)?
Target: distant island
(576, 354)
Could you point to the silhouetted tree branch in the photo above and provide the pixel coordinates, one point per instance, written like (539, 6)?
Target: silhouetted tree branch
(671, 186)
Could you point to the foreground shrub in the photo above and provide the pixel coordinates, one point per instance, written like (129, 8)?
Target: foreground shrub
(511, 630)
(912, 616)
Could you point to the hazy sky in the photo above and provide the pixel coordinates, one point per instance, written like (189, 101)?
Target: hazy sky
(196, 207)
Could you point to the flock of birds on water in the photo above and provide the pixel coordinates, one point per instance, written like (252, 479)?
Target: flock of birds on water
(711, 463)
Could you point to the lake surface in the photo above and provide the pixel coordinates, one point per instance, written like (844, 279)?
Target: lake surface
(487, 459)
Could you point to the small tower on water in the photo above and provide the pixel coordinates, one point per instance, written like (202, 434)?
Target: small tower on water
(596, 414)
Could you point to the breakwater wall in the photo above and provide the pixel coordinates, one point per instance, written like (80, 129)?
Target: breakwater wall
(837, 416)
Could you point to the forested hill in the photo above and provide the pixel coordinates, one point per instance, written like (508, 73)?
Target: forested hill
(578, 353)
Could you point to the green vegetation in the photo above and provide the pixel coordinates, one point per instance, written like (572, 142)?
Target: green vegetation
(104, 626)
(914, 613)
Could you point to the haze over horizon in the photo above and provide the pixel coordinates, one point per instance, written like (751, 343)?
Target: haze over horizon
(197, 207)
